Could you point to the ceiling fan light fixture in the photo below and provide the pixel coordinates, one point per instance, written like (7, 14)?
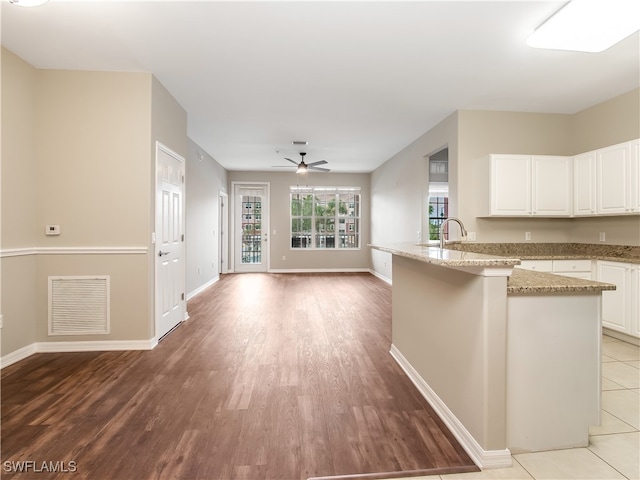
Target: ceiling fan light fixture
(588, 25)
(28, 3)
(302, 168)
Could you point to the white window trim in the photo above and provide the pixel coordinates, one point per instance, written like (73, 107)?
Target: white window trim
(326, 189)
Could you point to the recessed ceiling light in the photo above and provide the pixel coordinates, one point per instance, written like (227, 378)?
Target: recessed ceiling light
(588, 25)
(28, 3)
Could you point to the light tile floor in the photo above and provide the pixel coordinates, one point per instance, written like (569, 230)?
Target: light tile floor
(614, 446)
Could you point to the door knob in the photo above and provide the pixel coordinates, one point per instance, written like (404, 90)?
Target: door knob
(161, 253)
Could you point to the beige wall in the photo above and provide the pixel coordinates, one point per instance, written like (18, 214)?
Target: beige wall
(93, 131)
(18, 202)
(18, 152)
(482, 133)
(168, 120)
(168, 127)
(94, 164)
(399, 191)
(608, 123)
(78, 151)
(279, 202)
(205, 179)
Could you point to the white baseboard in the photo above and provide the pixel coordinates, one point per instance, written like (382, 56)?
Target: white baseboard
(319, 270)
(621, 336)
(67, 347)
(17, 355)
(381, 277)
(202, 288)
(482, 458)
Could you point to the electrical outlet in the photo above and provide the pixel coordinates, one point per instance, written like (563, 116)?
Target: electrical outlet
(602, 236)
(1, 321)
(52, 230)
(471, 236)
(284, 257)
(527, 236)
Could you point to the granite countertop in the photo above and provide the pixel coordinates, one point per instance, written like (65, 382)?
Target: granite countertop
(553, 251)
(520, 281)
(529, 282)
(446, 257)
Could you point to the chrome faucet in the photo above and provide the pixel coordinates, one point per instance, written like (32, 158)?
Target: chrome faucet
(463, 231)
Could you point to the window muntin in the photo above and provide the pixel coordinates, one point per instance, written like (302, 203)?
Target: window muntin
(438, 208)
(325, 217)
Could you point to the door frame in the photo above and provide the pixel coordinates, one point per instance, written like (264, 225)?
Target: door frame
(232, 222)
(223, 233)
(156, 245)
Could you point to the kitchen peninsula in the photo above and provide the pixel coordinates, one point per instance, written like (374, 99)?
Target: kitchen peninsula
(509, 359)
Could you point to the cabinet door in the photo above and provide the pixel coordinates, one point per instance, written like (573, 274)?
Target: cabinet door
(612, 167)
(537, 265)
(614, 303)
(634, 180)
(511, 185)
(634, 322)
(552, 186)
(573, 268)
(584, 184)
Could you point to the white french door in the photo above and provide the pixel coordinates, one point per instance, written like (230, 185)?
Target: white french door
(251, 227)
(169, 246)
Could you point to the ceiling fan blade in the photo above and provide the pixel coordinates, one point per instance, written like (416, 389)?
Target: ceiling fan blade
(319, 169)
(281, 166)
(295, 163)
(320, 162)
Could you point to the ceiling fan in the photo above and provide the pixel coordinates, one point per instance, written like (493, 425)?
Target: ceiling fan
(304, 167)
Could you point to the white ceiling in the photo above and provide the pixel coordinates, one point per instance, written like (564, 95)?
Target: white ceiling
(358, 80)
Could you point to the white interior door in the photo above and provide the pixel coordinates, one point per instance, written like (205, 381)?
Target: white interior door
(169, 251)
(251, 227)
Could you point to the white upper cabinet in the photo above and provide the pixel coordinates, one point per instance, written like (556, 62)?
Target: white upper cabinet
(551, 187)
(584, 184)
(510, 185)
(613, 175)
(602, 182)
(607, 181)
(525, 185)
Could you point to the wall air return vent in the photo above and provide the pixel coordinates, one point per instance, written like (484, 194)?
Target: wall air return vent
(79, 305)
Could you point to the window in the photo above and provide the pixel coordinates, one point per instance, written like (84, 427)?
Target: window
(325, 217)
(438, 192)
(438, 211)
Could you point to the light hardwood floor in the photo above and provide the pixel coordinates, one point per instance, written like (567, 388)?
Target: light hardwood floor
(274, 376)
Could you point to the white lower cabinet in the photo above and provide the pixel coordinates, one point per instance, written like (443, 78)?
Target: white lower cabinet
(620, 307)
(573, 268)
(635, 301)
(537, 265)
(569, 268)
